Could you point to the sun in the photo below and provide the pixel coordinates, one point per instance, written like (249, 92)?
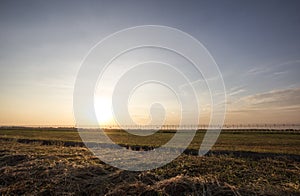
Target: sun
(103, 108)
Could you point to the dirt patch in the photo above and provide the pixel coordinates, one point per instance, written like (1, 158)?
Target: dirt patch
(12, 160)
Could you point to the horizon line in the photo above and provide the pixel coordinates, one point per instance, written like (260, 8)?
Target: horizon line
(167, 126)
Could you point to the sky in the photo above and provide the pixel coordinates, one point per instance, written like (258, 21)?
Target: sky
(256, 45)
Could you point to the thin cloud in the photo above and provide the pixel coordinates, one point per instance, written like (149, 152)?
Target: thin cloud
(236, 90)
(277, 106)
(258, 70)
(271, 68)
(199, 81)
(273, 100)
(280, 73)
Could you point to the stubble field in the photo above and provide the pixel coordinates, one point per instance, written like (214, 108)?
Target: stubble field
(55, 162)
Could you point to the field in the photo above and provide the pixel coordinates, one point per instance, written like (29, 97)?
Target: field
(55, 161)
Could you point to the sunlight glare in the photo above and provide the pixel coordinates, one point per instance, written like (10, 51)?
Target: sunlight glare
(103, 108)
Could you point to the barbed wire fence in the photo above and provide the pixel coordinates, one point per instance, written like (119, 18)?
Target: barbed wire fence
(204, 127)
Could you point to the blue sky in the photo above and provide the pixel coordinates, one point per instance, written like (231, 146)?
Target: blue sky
(256, 45)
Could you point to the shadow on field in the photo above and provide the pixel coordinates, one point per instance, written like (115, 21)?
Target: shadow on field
(241, 154)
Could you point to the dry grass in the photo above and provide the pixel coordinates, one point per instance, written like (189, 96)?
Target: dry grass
(35, 169)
